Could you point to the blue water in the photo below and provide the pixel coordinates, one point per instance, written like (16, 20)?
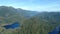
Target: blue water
(12, 26)
(55, 31)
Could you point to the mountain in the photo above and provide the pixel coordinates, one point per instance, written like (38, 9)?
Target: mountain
(8, 14)
(42, 23)
(31, 22)
(27, 13)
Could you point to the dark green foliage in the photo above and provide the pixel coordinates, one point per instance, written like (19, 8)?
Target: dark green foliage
(40, 23)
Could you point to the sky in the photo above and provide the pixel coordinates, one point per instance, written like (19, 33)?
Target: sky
(34, 5)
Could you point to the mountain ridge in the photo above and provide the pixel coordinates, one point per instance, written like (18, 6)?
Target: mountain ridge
(31, 22)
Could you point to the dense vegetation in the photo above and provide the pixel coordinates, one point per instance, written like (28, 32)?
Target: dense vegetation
(31, 22)
(42, 23)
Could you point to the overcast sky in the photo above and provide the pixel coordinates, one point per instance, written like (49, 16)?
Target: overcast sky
(35, 5)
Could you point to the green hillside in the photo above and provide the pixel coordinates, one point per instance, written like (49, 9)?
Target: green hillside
(8, 15)
(31, 22)
(42, 23)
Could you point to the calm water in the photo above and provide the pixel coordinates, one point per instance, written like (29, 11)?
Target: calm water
(12, 26)
(55, 31)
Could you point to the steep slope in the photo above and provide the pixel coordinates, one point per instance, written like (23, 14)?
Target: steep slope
(9, 15)
(42, 23)
(31, 22)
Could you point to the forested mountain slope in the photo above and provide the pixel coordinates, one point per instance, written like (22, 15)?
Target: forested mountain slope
(31, 22)
(42, 23)
(9, 14)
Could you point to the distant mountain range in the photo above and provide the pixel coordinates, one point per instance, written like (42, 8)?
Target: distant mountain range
(10, 13)
(31, 22)
(27, 13)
